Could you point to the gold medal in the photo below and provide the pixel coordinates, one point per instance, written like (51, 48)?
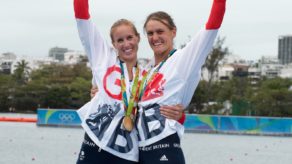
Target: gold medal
(128, 123)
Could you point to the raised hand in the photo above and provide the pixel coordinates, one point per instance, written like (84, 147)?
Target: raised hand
(93, 91)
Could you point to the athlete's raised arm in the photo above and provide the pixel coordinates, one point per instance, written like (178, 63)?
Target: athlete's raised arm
(216, 15)
(97, 49)
(194, 54)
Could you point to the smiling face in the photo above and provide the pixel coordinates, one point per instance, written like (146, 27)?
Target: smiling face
(160, 37)
(125, 39)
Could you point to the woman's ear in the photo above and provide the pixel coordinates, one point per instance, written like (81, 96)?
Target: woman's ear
(138, 35)
(174, 32)
(113, 43)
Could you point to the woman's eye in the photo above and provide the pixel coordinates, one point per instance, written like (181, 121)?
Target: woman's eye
(120, 40)
(130, 37)
(149, 33)
(159, 31)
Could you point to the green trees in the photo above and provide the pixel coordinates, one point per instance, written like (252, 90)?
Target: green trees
(270, 97)
(216, 55)
(21, 73)
(207, 89)
(5, 89)
(68, 86)
(273, 98)
(52, 86)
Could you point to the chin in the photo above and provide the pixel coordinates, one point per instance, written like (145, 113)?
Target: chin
(129, 58)
(158, 52)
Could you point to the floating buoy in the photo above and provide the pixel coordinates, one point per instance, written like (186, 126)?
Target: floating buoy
(17, 119)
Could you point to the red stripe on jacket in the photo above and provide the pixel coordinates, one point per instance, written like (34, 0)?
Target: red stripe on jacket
(81, 9)
(216, 15)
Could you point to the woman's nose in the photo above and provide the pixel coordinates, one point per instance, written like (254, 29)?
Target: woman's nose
(154, 36)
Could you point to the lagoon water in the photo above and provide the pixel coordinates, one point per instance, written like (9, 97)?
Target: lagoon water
(26, 143)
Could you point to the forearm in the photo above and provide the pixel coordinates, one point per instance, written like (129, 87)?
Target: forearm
(216, 15)
(81, 9)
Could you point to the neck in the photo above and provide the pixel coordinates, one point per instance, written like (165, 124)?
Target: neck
(130, 65)
(130, 68)
(160, 57)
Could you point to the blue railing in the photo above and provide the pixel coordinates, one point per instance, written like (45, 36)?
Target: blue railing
(195, 123)
(239, 124)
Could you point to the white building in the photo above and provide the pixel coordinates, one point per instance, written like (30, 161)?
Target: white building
(286, 71)
(33, 62)
(270, 66)
(225, 72)
(6, 61)
(73, 57)
(226, 68)
(57, 53)
(254, 75)
(230, 59)
(9, 61)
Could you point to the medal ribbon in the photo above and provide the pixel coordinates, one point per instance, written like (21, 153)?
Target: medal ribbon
(144, 84)
(129, 105)
(134, 95)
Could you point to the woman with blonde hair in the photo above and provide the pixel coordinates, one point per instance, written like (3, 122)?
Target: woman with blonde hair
(108, 119)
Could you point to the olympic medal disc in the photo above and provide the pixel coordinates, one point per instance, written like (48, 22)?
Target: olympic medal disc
(128, 123)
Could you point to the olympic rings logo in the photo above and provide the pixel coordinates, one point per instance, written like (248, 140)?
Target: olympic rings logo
(68, 117)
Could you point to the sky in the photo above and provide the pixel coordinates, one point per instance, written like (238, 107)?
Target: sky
(251, 27)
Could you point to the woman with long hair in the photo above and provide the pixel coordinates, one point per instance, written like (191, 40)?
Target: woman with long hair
(172, 78)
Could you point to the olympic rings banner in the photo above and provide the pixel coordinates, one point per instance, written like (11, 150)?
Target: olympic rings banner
(239, 124)
(196, 123)
(62, 117)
